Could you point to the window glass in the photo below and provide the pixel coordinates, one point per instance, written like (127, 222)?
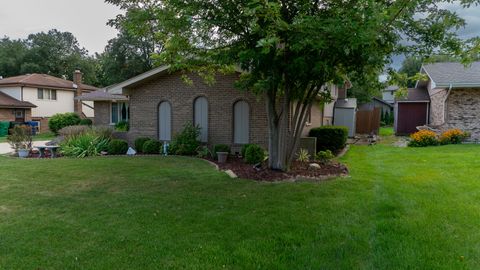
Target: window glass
(114, 113)
(200, 117)
(40, 93)
(241, 125)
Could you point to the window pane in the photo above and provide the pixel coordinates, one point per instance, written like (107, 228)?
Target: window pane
(164, 121)
(241, 125)
(46, 94)
(201, 117)
(40, 93)
(54, 94)
(123, 112)
(114, 113)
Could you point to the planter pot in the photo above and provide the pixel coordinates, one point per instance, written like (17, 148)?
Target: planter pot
(23, 153)
(222, 157)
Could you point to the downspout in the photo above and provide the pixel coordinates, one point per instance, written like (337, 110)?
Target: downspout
(445, 104)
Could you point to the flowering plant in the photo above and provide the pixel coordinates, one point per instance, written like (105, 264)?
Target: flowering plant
(423, 138)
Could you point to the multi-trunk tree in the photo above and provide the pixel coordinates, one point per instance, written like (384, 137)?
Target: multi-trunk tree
(290, 49)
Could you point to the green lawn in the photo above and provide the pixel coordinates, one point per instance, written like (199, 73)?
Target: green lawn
(39, 137)
(403, 208)
(386, 131)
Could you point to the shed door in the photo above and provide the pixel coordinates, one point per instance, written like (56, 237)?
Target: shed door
(164, 121)
(410, 116)
(345, 117)
(201, 117)
(241, 126)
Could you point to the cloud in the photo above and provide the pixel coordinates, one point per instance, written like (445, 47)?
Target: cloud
(471, 16)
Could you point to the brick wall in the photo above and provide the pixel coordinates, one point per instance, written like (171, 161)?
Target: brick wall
(102, 113)
(221, 96)
(463, 111)
(7, 115)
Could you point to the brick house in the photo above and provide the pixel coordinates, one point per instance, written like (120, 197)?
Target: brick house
(48, 95)
(451, 93)
(158, 103)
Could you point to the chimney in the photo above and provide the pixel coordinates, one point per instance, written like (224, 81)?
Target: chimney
(77, 82)
(342, 92)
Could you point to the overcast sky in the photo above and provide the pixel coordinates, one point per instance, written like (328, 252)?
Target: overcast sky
(86, 19)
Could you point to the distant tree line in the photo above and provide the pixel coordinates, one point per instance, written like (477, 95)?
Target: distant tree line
(59, 54)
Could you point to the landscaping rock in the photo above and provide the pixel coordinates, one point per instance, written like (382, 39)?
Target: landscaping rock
(131, 152)
(314, 166)
(231, 174)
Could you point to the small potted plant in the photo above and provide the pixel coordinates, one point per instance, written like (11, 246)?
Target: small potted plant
(20, 139)
(222, 151)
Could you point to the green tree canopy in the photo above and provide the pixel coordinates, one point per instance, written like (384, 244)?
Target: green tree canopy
(54, 52)
(291, 48)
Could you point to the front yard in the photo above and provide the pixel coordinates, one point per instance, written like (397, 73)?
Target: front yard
(402, 208)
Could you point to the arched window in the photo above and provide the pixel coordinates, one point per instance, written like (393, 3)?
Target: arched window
(241, 122)
(200, 117)
(164, 121)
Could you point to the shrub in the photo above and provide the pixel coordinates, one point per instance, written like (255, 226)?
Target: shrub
(203, 152)
(73, 130)
(186, 142)
(84, 145)
(151, 147)
(61, 120)
(117, 147)
(20, 137)
(423, 138)
(453, 136)
(303, 155)
(85, 122)
(324, 156)
(103, 132)
(139, 142)
(122, 126)
(333, 138)
(254, 154)
(244, 149)
(221, 148)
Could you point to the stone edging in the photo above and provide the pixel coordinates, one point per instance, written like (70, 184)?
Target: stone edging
(344, 151)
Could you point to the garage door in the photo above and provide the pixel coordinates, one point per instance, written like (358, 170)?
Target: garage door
(410, 116)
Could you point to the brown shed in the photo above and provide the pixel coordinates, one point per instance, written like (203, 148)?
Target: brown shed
(411, 111)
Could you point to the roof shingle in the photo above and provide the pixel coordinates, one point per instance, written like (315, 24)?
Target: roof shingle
(43, 80)
(7, 101)
(453, 73)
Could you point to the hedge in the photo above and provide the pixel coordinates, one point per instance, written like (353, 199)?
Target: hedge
(333, 138)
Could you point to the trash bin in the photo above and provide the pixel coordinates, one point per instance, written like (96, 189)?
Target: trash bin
(34, 126)
(4, 128)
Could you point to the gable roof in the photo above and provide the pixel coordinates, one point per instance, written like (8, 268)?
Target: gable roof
(453, 74)
(118, 88)
(7, 101)
(43, 80)
(101, 95)
(415, 95)
(382, 101)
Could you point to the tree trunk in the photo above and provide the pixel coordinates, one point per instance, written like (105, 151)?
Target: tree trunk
(278, 133)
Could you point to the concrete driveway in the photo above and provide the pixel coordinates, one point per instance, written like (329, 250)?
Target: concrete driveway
(5, 147)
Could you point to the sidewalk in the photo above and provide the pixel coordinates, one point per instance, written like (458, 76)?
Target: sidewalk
(5, 147)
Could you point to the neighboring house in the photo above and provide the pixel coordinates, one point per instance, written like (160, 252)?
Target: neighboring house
(453, 92)
(48, 95)
(388, 94)
(377, 103)
(14, 110)
(345, 110)
(158, 103)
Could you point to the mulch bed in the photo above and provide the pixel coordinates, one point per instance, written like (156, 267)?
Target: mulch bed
(298, 170)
